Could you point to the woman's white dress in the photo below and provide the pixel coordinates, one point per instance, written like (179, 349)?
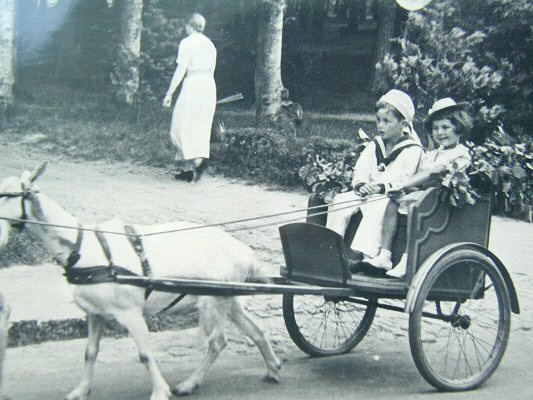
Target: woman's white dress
(193, 112)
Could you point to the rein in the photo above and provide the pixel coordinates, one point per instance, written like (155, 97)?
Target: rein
(346, 204)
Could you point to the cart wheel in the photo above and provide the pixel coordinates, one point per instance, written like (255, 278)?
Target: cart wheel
(458, 341)
(322, 326)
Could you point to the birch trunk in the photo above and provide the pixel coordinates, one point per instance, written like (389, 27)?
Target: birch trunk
(268, 83)
(125, 75)
(7, 55)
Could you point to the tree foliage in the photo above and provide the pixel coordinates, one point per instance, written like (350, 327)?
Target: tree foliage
(472, 50)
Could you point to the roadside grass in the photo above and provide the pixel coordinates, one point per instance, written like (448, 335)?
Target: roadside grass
(87, 126)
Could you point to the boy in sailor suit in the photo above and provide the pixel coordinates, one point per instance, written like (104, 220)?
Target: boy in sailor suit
(391, 157)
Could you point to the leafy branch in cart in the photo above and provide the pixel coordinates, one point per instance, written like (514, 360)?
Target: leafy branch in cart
(330, 166)
(459, 191)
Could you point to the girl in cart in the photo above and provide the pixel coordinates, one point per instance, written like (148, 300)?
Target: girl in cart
(449, 123)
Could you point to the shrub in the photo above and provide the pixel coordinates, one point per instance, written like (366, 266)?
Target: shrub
(261, 154)
(506, 169)
(269, 156)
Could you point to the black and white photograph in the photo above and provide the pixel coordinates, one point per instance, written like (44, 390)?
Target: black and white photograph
(266, 199)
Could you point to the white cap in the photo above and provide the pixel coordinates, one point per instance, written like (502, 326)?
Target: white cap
(413, 5)
(403, 103)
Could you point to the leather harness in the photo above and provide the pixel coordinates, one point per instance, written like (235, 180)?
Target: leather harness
(99, 273)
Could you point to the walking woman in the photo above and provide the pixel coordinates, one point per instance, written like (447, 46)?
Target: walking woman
(193, 112)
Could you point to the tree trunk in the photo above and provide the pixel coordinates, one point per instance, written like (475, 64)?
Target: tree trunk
(386, 13)
(125, 75)
(268, 84)
(7, 56)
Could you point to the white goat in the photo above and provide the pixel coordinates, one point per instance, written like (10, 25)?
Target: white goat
(208, 253)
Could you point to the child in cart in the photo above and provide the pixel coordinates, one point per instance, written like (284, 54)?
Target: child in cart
(449, 123)
(392, 156)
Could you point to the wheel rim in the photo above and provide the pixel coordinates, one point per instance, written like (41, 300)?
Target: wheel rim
(461, 350)
(328, 326)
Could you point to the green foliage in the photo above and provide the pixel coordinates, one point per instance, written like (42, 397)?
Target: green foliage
(329, 167)
(505, 170)
(459, 191)
(323, 165)
(162, 33)
(471, 50)
(262, 155)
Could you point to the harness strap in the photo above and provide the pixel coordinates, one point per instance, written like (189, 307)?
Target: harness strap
(24, 195)
(105, 247)
(75, 255)
(94, 275)
(172, 303)
(137, 244)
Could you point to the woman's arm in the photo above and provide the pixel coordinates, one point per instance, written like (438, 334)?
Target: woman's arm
(179, 73)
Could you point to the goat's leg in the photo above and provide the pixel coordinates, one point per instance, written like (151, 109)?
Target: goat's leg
(81, 392)
(136, 326)
(213, 316)
(241, 319)
(217, 342)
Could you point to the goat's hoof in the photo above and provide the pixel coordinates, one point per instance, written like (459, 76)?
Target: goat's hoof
(184, 389)
(271, 377)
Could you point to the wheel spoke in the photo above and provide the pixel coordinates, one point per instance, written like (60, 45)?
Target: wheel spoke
(463, 348)
(321, 326)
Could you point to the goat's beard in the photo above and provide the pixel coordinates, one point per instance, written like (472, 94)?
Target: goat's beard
(5, 227)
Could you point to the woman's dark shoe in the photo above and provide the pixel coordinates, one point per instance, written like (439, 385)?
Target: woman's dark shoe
(198, 171)
(185, 176)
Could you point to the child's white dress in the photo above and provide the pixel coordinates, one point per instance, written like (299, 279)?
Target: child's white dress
(459, 155)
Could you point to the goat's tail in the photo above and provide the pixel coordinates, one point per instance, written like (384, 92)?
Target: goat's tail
(259, 272)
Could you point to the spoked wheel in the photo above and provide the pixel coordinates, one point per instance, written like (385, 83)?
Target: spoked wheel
(458, 336)
(323, 326)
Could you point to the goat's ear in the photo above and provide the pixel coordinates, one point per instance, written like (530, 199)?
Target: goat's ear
(38, 171)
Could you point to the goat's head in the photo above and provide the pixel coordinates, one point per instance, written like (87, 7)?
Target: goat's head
(13, 193)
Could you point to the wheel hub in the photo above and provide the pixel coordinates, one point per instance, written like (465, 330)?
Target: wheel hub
(461, 321)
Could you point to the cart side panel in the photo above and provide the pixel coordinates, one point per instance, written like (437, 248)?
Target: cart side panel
(432, 225)
(313, 254)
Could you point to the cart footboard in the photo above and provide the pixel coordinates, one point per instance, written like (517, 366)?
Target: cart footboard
(313, 254)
